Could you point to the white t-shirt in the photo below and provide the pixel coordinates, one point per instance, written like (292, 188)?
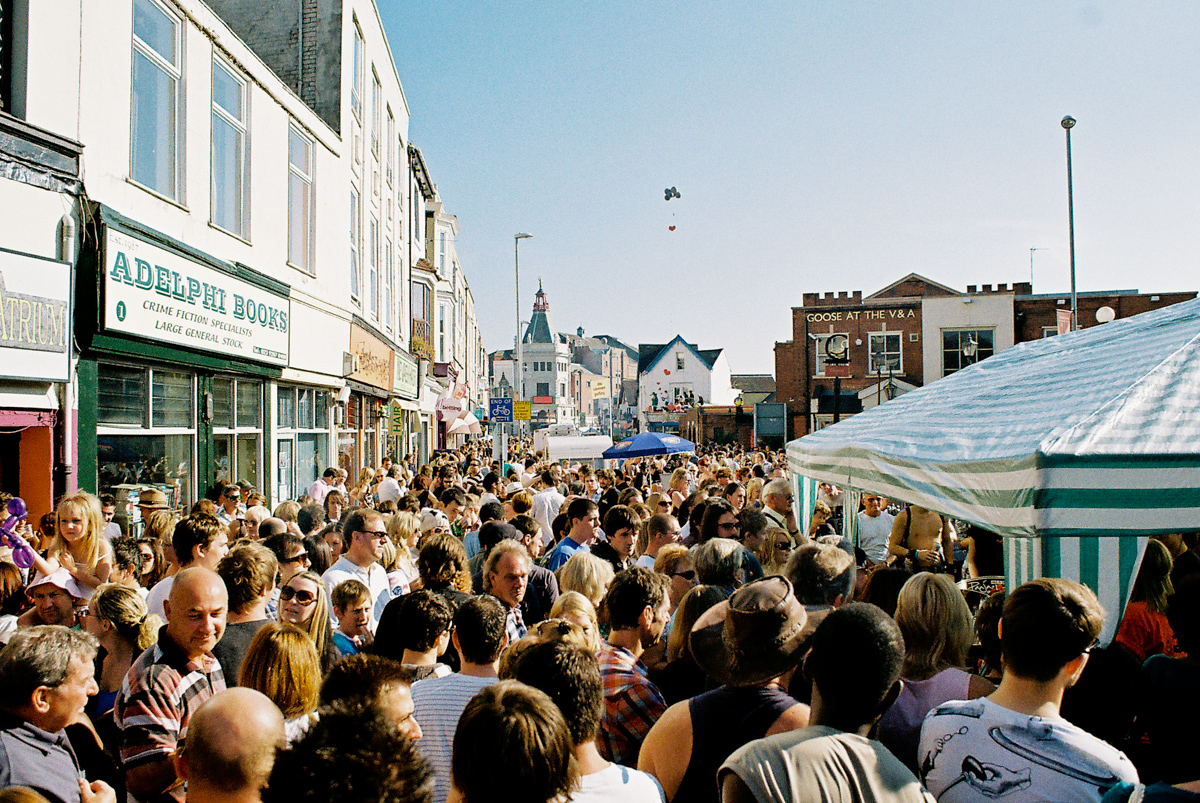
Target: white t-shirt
(618, 784)
(975, 751)
(388, 490)
(822, 763)
(874, 534)
(160, 592)
(645, 561)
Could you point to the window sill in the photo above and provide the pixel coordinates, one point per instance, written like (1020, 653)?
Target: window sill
(157, 194)
(226, 231)
(310, 273)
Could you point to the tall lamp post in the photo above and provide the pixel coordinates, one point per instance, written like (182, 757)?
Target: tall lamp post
(1068, 123)
(519, 377)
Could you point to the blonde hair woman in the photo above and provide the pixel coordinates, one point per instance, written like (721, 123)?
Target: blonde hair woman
(404, 531)
(116, 616)
(754, 489)
(774, 551)
(579, 610)
(304, 603)
(282, 663)
(678, 486)
(360, 494)
(937, 628)
(587, 574)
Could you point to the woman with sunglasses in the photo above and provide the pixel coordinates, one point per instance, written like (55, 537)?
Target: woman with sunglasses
(303, 603)
(774, 551)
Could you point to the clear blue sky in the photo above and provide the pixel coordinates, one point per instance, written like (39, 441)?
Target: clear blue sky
(818, 146)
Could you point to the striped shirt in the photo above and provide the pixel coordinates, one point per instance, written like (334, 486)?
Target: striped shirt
(632, 704)
(437, 705)
(157, 699)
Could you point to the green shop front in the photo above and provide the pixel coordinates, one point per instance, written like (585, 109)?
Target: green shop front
(179, 356)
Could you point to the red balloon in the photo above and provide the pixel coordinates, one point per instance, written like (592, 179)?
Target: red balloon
(671, 228)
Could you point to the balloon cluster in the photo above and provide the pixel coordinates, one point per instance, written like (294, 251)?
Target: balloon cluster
(671, 192)
(22, 552)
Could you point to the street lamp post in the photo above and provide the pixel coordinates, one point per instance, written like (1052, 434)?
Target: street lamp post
(519, 377)
(1068, 123)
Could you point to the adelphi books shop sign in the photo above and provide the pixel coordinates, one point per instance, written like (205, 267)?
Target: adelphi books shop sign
(157, 294)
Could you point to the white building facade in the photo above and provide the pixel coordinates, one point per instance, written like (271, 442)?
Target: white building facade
(677, 376)
(253, 219)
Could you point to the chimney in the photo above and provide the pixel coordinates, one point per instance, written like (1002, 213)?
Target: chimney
(972, 288)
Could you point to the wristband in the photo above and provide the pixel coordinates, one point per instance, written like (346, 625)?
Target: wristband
(912, 555)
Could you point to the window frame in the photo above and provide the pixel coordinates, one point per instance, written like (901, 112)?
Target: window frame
(991, 349)
(872, 368)
(373, 288)
(819, 351)
(175, 72)
(355, 246)
(242, 129)
(309, 182)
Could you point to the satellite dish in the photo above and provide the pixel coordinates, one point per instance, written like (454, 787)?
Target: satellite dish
(1105, 314)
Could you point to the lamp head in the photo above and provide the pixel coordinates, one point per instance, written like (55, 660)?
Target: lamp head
(1068, 122)
(522, 236)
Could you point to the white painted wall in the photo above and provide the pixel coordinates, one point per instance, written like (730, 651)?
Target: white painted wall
(991, 311)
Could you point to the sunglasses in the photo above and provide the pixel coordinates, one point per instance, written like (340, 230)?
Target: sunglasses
(783, 545)
(303, 597)
(689, 575)
(380, 535)
(303, 556)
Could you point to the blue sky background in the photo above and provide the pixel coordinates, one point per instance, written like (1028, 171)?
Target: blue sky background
(818, 146)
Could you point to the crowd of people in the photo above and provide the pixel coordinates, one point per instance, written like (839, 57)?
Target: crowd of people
(470, 631)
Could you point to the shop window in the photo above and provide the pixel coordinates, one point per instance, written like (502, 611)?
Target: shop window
(303, 440)
(286, 409)
(122, 395)
(237, 430)
(171, 400)
(145, 435)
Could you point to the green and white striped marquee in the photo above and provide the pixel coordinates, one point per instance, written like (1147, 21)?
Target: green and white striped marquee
(1075, 448)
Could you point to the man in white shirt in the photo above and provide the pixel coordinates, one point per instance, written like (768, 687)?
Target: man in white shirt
(777, 506)
(661, 530)
(570, 675)
(364, 533)
(389, 489)
(874, 529)
(546, 505)
(1014, 744)
(323, 485)
(479, 637)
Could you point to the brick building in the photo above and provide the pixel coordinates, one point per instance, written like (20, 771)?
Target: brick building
(915, 331)
(884, 332)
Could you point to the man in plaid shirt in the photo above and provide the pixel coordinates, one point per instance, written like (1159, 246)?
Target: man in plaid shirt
(638, 610)
(168, 682)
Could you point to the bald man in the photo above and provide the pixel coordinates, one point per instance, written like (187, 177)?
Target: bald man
(169, 682)
(230, 748)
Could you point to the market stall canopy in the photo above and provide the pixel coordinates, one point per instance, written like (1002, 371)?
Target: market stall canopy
(648, 443)
(1095, 432)
(1074, 447)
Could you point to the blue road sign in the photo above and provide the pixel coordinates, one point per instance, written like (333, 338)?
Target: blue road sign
(500, 410)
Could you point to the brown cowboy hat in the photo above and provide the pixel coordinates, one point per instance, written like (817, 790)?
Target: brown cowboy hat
(152, 499)
(757, 634)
